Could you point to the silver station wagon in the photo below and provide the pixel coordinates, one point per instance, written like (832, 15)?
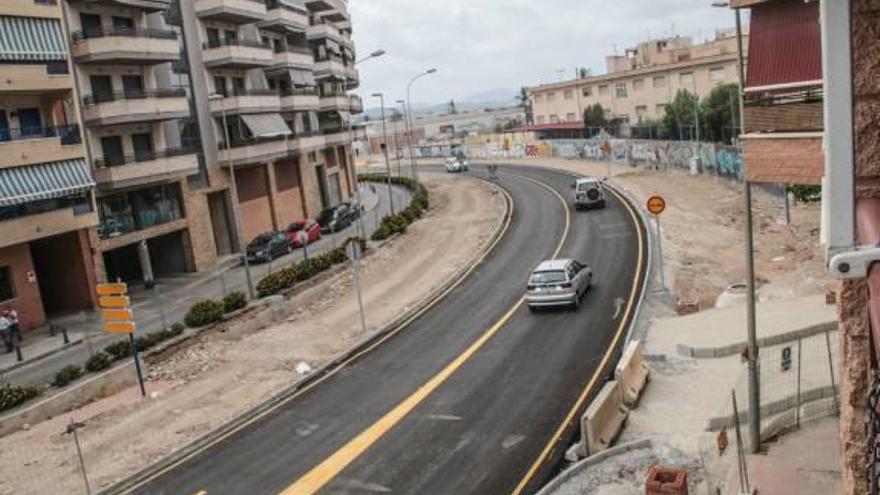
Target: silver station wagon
(558, 283)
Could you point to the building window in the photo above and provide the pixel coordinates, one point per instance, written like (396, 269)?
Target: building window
(620, 90)
(313, 156)
(554, 119)
(686, 79)
(659, 81)
(138, 210)
(568, 94)
(540, 120)
(661, 109)
(551, 96)
(716, 74)
(638, 84)
(641, 112)
(603, 90)
(539, 98)
(586, 91)
(7, 290)
(571, 117)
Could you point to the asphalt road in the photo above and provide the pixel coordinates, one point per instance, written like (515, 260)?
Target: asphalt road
(473, 396)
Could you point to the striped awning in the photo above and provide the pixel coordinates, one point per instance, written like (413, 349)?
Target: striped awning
(30, 183)
(29, 39)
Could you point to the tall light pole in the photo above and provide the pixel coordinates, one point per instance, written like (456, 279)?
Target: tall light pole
(408, 138)
(236, 208)
(385, 145)
(412, 122)
(754, 369)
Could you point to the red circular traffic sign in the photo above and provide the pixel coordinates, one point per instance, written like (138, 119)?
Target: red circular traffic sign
(656, 205)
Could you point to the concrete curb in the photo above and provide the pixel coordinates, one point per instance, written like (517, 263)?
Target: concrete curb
(580, 466)
(132, 482)
(39, 357)
(737, 348)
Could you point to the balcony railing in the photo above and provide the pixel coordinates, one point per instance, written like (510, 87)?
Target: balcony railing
(788, 111)
(69, 134)
(299, 92)
(143, 156)
(111, 31)
(141, 94)
(249, 92)
(302, 50)
(245, 43)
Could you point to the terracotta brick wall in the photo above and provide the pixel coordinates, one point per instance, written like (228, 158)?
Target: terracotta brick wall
(203, 249)
(787, 160)
(27, 299)
(253, 194)
(785, 118)
(288, 197)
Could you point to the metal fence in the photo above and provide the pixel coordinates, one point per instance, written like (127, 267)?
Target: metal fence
(798, 384)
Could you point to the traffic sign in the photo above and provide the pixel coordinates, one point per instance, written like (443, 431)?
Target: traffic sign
(112, 289)
(125, 327)
(114, 302)
(117, 315)
(656, 205)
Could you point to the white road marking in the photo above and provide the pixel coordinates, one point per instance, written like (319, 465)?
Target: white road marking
(444, 417)
(511, 441)
(618, 306)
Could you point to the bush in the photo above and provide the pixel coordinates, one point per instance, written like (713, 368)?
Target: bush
(98, 362)
(805, 194)
(204, 313)
(66, 375)
(118, 350)
(276, 282)
(15, 395)
(176, 329)
(234, 301)
(381, 233)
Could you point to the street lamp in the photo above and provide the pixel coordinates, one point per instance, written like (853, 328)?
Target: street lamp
(236, 208)
(406, 129)
(412, 123)
(385, 145)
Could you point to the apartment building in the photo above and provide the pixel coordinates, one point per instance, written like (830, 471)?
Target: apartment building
(47, 206)
(639, 84)
(175, 95)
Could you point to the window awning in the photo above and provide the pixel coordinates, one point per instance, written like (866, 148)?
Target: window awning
(301, 77)
(785, 44)
(266, 125)
(31, 39)
(19, 185)
(344, 115)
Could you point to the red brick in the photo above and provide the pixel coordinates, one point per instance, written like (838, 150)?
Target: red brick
(666, 481)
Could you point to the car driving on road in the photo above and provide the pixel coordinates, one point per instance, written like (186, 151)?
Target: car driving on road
(588, 193)
(336, 218)
(267, 246)
(558, 283)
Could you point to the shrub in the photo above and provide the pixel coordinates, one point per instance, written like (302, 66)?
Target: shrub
(234, 301)
(381, 233)
(407, 216)
(276, 282)
(15, 395)
(67, 375)
(98, 361)
(118, 350)
(204, 313)
(805, 194)
(176, 329)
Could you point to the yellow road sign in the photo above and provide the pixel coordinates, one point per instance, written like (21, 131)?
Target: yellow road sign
(117, 315)
(119, 326)
(114, 302)
(112, 289)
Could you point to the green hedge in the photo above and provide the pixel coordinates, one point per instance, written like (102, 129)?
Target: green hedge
(203, 313)
(98, 361)
(234, 301)
(397, 224)
(15, 395)
(287, 277)
(66, 375)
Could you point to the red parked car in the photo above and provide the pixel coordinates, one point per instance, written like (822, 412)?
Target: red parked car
(311, 227)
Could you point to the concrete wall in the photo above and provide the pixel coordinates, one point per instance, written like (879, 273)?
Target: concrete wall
(27, 299)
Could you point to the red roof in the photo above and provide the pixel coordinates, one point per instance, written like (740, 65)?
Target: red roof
(785, 43)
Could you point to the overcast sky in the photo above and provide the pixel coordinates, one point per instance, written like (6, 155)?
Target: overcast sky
(484, 45)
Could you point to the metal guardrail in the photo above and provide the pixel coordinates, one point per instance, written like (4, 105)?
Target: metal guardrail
(69, 134)
(140, 94)
(112, 31)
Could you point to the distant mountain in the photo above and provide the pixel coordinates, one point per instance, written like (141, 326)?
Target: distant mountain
(496, 98)
(505, 96)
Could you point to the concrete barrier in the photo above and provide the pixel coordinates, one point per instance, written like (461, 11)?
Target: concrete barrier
(603, 420)
(632, 373)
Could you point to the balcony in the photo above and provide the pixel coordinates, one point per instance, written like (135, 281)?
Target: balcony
(111, 45)
(52, 217)
(284, 18)
(149, 6)
(305, 142)
(319, 31)
(247, 101)
(231, 11)
(338, 136)
(53, 76)
(31, 8)
(237, 54)
(124, 107)
(253, 151)
(330, 66)
(293, 56)
(144, 168)
(335, 15)
(357, 105)
(333, 102)
(299, 99)
(322, 5)
(39, 145)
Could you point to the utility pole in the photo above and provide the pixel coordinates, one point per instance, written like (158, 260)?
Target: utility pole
(385, 146)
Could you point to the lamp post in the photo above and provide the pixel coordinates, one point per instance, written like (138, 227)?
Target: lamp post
(403, 104)
(754, 370)
(385, 145)
(236, 208)
(412, 123)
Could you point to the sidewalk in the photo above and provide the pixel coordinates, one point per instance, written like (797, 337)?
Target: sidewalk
(45, 354)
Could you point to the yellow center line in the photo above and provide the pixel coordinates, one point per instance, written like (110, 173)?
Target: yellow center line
(595, 379)
(324, 472)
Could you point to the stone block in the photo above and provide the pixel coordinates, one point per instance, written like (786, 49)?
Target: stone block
(666, 481)
(866, 53)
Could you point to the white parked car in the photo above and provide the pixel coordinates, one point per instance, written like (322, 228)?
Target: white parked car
(453, 165)
(588, 193)
(558, 283)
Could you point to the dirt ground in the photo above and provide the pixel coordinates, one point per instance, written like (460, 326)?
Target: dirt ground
(703, 240)
(219, 374)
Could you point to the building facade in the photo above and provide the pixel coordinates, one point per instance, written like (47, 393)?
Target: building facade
(142, 108)
(638, 85)
(47, 207)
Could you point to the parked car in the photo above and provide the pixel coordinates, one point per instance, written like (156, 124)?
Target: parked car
(588, 193)
(336, 218)
(268, 246)
(558, 283)
(310, 227)
(454, 165)
(357, 209)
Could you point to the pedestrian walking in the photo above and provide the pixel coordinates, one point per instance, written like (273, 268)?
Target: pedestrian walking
(5, 332)
(14, 329)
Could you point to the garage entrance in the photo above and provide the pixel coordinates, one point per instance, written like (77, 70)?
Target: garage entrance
(167, 257)
(61, 273)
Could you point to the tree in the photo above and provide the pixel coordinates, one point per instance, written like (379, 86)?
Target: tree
(720, 113)
(680, 116)
(594, 119)
(525, 102)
